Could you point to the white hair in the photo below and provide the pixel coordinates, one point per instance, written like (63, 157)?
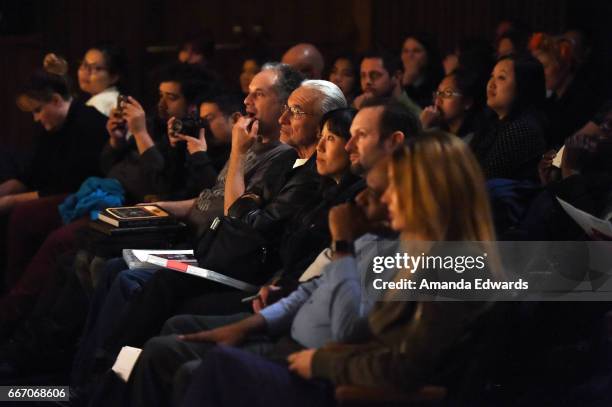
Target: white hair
(333, 98)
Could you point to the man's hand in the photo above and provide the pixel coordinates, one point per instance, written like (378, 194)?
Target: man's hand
(301, 363)
(242, 139)
(575, 147)
(545, 166)
(195, 145)
(346, 222)
(230, 335)
(358, 101)
(135, 117)
(172, 136)
(268, 294)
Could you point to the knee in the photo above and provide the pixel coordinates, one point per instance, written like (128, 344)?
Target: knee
(178, 324)
(158, 350)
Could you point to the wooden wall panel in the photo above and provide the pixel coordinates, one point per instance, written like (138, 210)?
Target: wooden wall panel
(70, 26)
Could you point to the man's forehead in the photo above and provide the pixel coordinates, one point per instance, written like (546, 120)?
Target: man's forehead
(208, 108)
(372, 64)
(304, 98)
(170, 87)
(264, 80)
(366, 118)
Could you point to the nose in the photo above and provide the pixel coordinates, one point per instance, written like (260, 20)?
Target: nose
(321, 145)
(247, 99)
(36, 117)
(350, 144)
(284, 118)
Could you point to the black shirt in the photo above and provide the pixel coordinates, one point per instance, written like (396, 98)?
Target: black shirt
(63, 159)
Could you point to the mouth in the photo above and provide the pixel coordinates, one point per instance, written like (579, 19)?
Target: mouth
(354, 157)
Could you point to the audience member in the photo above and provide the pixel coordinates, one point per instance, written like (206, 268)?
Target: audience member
(458, 105)
(422, 68)
(305, 58)
(570, 101)
(344, 73)
(101, 74)
(513, 142)
(380, 76)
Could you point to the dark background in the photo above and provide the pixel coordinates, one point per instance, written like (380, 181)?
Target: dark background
(150, 30)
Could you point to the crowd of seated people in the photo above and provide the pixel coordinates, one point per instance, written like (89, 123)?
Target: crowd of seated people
(302, 170)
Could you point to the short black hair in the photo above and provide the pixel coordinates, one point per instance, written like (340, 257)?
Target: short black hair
(228, 103)
(471, 84)
(391, 62)
(42, 85)
(530, 82)
(194, 80)
(395, 117)
(339, 121)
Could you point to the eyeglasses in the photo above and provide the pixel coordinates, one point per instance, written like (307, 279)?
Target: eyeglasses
(294, 111)
(445, 94)
(91, 68)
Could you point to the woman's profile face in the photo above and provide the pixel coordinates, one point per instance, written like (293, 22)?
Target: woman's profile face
(449, 102)
(501, 89)
(332, 158)
(93, 73)
(343, 75)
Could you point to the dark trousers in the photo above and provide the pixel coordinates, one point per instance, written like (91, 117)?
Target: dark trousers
(234, 377)
(28, 223)
(166, 294)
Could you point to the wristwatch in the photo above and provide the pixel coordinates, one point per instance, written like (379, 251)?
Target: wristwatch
(342, 246)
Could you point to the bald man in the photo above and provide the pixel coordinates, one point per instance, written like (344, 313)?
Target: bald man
(305, 58)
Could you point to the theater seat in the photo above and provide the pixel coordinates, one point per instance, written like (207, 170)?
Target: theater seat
(365, 396)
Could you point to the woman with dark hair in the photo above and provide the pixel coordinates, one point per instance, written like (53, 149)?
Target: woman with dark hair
(422, 68)
(457, 104)
(345, 74)
(100, 74)
(513, 142)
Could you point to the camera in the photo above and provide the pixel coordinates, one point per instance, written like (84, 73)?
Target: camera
(191, 126)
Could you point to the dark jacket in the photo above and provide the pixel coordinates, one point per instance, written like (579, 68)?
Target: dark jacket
(161, 171)
(282, 195)
(511, 148)
(64, 159)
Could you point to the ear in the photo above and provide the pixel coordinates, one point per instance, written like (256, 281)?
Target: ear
(395, 140)
(234, 117)
(57, 99)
